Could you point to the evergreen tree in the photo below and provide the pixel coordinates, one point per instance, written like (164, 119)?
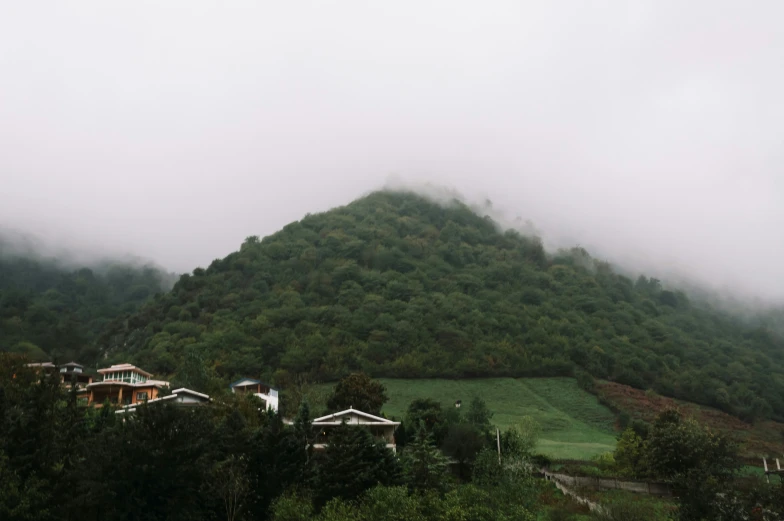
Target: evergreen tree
(424, 465)
(352, 463)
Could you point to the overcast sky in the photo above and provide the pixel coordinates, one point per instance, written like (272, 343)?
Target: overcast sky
(650, 132)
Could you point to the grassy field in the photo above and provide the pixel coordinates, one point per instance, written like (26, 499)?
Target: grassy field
(574, 424)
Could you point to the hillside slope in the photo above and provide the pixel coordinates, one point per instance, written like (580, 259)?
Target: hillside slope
(52, 311)
(399, 286)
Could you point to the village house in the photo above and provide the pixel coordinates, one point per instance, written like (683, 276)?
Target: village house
(70, 374)
(122, 384)
(73, 375)
(180, 397)
(382, 429)
(265, 392)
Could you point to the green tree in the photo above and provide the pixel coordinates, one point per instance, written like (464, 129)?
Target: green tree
(425, 467)
(426, 413)
(462, 443)
(352, 463)
(230, 482)
(520, 440)
(359, 391)
(479, 415)
(629, 454)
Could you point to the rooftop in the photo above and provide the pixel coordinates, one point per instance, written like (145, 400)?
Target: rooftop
(124, 367)
(336, 418)
(175, 394)
(242, 382)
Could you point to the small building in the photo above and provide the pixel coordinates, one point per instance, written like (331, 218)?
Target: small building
(73, 375)
(70, 374)
(381, 428)
(47, 367)
(265, 392)
(123, 384)
(180, 397)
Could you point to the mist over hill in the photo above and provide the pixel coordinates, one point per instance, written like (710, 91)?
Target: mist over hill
(54, 303)
(398, 285)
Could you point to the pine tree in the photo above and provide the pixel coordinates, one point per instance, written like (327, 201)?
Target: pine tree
(352, 463)
(424, 465)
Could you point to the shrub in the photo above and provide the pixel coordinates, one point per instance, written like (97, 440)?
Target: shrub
(626, 510)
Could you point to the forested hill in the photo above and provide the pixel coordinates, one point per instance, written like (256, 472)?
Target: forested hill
(396, 285)
(52, 311)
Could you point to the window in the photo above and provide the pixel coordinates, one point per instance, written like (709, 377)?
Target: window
(141, 396)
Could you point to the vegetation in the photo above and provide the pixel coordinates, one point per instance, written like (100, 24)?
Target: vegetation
(757, 440)
(50, 311)
(358, 391)
(699, 463)
(396, 285)
(231, 460)
(236, 461)
(572, 422)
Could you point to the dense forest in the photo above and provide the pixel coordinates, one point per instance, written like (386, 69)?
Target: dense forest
(396, 285)
(49, 310)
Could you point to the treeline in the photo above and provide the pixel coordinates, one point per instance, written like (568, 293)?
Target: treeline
(50, 311)
(396, 285)
(230, 460)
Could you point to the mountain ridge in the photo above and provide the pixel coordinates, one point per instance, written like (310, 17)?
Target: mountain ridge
(398, 285)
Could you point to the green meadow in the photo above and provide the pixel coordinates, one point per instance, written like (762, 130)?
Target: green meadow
(574, 424)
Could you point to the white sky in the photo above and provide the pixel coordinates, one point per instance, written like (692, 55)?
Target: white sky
(650, 132)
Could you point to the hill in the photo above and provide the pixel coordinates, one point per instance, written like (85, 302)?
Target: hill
(574, 424)
(399, 286)
(51, 310)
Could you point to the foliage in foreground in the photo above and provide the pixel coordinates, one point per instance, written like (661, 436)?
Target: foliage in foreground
(231, 461)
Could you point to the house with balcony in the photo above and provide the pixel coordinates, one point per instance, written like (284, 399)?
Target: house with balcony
(382, 429)
(267, 393)
(122, 384)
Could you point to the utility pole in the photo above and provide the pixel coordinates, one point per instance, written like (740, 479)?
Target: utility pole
(498, 443)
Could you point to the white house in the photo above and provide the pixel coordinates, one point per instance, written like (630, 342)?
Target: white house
(258, 388)
(381, 428)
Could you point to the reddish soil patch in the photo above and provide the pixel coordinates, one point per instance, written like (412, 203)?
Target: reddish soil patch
(765, 438)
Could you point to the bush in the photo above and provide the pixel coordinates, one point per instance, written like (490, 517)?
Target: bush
(605, 461)
(541, 461)
(559, 514)
(625, 510)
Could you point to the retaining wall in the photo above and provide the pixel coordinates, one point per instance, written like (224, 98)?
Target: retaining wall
(641, 487)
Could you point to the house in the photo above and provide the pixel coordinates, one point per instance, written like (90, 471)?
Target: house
(47, 367)
(122, 384)
(258, 388)
(71, 374)
(381, 428)
(180, 397)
